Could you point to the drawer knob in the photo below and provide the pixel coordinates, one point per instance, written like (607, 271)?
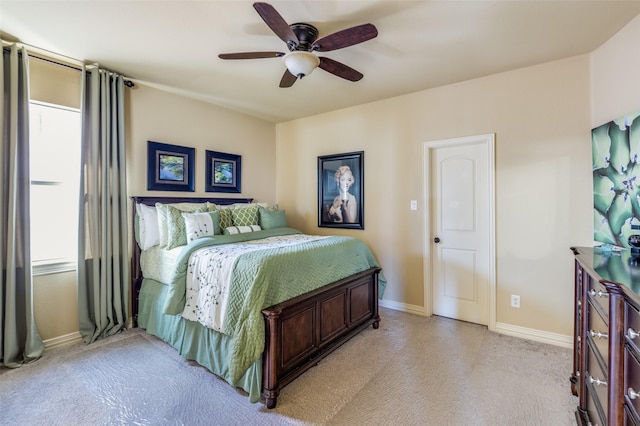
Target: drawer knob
(597, 381)
(632, 334)
(599, 293)
(632, 394)
(598, 334)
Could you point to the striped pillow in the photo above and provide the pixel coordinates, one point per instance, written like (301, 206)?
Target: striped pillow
(231, 230)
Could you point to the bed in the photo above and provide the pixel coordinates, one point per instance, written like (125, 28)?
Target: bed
(309, 294)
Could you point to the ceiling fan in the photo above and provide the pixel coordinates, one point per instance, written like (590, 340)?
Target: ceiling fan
(302, 40)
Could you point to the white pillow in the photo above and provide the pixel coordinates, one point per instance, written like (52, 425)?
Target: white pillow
(241, 229)
(149, 235)
(198, 225)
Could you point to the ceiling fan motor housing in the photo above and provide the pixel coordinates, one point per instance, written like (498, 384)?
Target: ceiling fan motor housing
(306, 33)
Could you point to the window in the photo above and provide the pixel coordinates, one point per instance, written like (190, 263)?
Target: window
(55, 175)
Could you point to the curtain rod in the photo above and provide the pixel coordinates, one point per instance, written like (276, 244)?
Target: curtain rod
(46, 56)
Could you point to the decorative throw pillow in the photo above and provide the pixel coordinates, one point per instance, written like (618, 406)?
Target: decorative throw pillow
(245, 216)
(241, 229)
(147, 220)
(198, 225)
(176, 228)
(225, 217)
(265, 206)
(163, 219)
(272, 219)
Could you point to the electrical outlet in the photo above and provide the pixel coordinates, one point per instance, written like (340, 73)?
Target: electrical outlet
(515, 301)
(414, 205)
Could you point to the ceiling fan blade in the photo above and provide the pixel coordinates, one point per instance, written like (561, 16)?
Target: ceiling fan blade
(276, 22)
(287, 79)
(345, 38)
(250, 55)
(339, 69)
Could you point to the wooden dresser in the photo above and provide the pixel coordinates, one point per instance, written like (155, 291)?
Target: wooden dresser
(606, 356)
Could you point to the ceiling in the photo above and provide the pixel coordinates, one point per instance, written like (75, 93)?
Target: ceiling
(421, 44)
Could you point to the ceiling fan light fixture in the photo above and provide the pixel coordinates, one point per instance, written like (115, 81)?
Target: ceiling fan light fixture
(300, 63)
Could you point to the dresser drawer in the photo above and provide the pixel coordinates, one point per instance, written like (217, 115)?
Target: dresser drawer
(632, 381)
(629, 419)
(596, 381)
(594, 410)
(598, 332)
(632, 327)
(598, 295)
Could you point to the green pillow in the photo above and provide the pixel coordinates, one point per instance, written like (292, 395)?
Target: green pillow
(245, 216)
(225, 218)
(163, 219)
(176, 228)
(272, 219)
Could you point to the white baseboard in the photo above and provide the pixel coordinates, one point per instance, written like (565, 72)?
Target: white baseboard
(535, 335)
(72, 338)
(62, 340)
(403, 307)
(502, 328)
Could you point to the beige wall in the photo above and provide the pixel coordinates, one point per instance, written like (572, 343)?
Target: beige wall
(160, 116)
(540, 116)
(615, 86)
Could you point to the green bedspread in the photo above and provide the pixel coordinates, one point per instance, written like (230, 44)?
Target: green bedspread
(269, 276)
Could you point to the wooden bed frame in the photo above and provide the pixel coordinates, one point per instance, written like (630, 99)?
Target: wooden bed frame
(298, 332)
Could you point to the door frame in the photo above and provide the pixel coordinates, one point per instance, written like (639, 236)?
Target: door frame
(488, 140)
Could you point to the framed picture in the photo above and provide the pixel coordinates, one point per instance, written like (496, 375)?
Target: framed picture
(341, 190)
(223, 172)
(170, 167)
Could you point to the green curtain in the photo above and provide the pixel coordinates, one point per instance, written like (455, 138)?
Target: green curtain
(103, 260)
(19, 340)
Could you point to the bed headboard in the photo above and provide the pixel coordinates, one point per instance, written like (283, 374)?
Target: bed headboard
(136, 272)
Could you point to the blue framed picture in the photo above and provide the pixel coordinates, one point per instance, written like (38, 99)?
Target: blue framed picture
(223, 172)
(170, 167)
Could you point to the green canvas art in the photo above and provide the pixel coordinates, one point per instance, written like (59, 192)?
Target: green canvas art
(616, 179)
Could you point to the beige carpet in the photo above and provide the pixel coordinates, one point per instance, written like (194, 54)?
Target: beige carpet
(411, 371)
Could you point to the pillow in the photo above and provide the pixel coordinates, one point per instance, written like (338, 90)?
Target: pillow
(266, 206)
(147, 220)
(163, 220)
(176, 230)
(245, 216)
(225, 217)
(272, 219)
(241, 229)
(198, 225)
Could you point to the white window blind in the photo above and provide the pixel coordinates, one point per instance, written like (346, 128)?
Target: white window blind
(55, 173)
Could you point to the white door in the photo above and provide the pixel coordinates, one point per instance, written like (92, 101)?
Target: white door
(461, 227)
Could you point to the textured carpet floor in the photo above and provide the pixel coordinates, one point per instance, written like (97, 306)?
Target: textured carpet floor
(411, 371)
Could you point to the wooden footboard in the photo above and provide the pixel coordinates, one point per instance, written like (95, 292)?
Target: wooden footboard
(302, 331)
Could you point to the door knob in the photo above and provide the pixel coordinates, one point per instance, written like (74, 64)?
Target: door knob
(436, 240)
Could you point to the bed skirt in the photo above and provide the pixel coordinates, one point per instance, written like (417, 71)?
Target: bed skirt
(192, 340)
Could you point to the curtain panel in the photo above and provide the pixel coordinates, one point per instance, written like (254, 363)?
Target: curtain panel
(20, 341)
(103, 260)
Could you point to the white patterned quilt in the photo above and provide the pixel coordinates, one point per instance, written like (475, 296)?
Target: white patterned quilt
(209, 275)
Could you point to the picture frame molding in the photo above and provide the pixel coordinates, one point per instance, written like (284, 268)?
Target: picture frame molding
(155, 169)
(214, 158)
(328, 191)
